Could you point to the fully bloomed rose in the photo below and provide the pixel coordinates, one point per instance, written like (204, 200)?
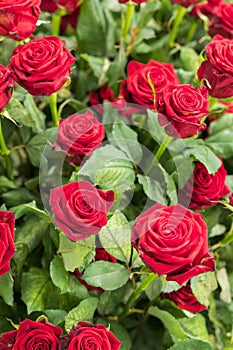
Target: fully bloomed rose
(205, 8)
(18, 18)
(7, 247)
(204, 189)
(217, 70)
(173, 241)
(6, 86)
(7, 340)
(87, 336)
(181, 108)
(80, 209)
(42, 66)
(221, 21)
(137, 89)
(185, 299)
(53, 5)
(41, 335)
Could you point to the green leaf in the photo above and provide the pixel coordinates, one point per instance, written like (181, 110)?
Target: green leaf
(191, 344)
(36, 287)
(190, 59)
(75, 253)
(110, 300)
(221, 143)
(17, 197)
(6, 184)
(174, 328)
(202, 285)
(6, 289)
(152, 189)
(154, 289)
(99, 66)
(83, 312)
(171, 187)
(31, 207)
(59, 275)
(106, 275)
(146, 13)
(121, 333)
(184, 76)
(204, 155)
(115, 237)
(55, 316)
(195, 326)
(156, 131)
(221, 124)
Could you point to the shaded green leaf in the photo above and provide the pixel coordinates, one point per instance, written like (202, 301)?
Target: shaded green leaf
(59, 275)
(6, 289)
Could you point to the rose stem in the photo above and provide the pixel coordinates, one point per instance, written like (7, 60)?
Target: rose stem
(191, 32)
(176, 24)
(167, 139)
(56, 22)
(127, 20)
(5, 152)
(53, 108)
(136, 293)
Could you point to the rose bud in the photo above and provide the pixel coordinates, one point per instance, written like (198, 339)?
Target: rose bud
(18, 18)
(173, 241)
(7, 247)
(6, 86)
(42, 66)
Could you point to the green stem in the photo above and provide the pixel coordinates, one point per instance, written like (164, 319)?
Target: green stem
(56, 22)
(5, 152)
(136, 294)
(53, 108)
(192, 31)
(127, 20)
(166, 141)
(176, 24)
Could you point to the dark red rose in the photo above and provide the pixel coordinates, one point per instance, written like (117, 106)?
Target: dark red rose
(221, 21)
(231, 199)
(87, 336)
(7, 247)
(181, 108)
(172, 241)
(70, 20)
(53, 5)
(205, 189)
(136, 88)
(80, 134)
(217, 70)
(42, 66)
(41, 335)
(18, 18)
(7, 340)
(205, 8)
(135, 1)
(185, 299)
(186, 3)
(80, 209)
(99, 96)
(6, 86)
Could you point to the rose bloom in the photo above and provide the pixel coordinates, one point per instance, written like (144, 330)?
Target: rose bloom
(136, 88)
(173, 241)
(100, 95)
(181, 108)
(87, 336)
(204, 189)
(80, 134)
(41, 335)
(42, 66)
(53, 5)
(7, 247)
(186, 3)
(7, 340)
(185, 299)
(205, 8)
(80, 209)
(6, 86)
(70, 20)
(231, 199)
(18, 18)
(221, 21)
(217, 70)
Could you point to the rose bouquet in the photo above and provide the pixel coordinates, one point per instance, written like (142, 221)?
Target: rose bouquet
(116, 176)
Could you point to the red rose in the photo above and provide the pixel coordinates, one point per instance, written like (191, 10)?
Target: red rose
(80, 209)
(221, 21)
(70, 20)
(185, 299)
(41, 335)
(7, 340)
(7, 247)
(6, 86)
(18, 18)
(205, 189)
(53, 5)
(205, 8)
(136, 88)
(135, 1)
(42, 66)
(231, 199)
(80, 134)
(186, 3)
(172, 241)
(87, 336)
(217, 71)
(103, 93)
(181, 109)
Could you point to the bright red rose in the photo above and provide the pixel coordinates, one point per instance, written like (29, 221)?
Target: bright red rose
(7, 340)
(53, 5)
(80, 134)
(7, 247)
(87, 336)
(136, 88)
(204, 189)
(185, 299)
(217, 70)
(41, 335)
(186, 3)
(221, 21)
(173, 241)
(6, 86)
(181, 108)
(80, 209)
(18, 18)
(42, 66)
